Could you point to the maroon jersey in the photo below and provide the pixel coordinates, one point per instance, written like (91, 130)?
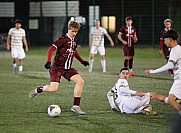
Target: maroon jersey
(163, 46)
(128, 33)
(66, 47)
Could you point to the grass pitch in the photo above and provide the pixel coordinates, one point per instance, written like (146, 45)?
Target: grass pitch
(19, 114)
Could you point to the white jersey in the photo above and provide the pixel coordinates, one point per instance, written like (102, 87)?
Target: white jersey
(175, 58)
(16, 37)
(125, 101)
(98, 36)
(122, 90)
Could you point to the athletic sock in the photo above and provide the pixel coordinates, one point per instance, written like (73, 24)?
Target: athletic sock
(103, 63)
(166, 100)
(126, 63)
(20, 68)
(39, 89)
(76, 101)
(91, 62)
(130, 63)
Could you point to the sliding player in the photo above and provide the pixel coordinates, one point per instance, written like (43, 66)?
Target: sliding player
(61, 66)
(128, 101)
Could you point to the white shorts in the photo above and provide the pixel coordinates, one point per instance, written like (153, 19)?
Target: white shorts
(133, 104)
(18, 53)
(95, 49)
(176, 89)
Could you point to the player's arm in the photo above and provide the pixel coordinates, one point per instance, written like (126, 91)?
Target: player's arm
(135, 37)
(110, 97)
(90, 40)
(77, 56)
(49, 56)
(25, 43)
(121, 39)
(110, 39)
(8, 42)
(169, 65)
(161, 43)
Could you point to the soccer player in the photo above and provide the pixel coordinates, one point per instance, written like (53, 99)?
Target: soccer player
(127, 35)
(96, 44)
(128, 101)
(174, 62)
(65, 48)
(163, 47)
(15, 40)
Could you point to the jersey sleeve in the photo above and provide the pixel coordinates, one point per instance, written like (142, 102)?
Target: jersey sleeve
(104, 31)
(59, 42)
(123, 88)
(10, 32)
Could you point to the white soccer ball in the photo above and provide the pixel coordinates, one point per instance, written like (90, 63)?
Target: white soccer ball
(54, 111)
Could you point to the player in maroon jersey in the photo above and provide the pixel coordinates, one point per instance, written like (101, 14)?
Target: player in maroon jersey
(127, 35)
(163, 47)
(65, 48)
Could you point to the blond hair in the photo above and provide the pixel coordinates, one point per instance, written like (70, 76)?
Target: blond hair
(167, 20)
(73, 24)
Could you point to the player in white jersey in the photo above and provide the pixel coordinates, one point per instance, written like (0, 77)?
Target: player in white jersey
(96, 44)
(130, 101)
(16, 39)
(174, 62)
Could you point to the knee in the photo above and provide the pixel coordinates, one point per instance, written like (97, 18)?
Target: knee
(80, 82)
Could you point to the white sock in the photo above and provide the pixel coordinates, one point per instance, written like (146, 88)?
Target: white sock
(103, 63)
(20, 68)
(14, 65)
(166, 100)
(130, 70)
(91, 62)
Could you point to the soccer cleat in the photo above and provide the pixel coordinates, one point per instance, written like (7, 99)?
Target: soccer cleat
(20, 73)
(132, 74)
(104, 70)
(32, 94)
(14, 70)
(178, 101)
(77, 110)
(149, 112)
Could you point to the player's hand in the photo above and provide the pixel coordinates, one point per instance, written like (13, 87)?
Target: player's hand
(160, 52)
(47, 65)
(85, 63)
(125, 43)
(147, 71)
(140, 93)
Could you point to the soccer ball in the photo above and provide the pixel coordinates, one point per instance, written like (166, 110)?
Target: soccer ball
(54, 111)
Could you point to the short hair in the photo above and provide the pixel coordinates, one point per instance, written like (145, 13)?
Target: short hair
(124, 68)
(128, 18)
(171, 34)
(73, 24)
(167, 20)
(18, 21)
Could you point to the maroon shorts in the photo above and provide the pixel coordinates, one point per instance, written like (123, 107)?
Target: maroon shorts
(128, 51)
(56, 73)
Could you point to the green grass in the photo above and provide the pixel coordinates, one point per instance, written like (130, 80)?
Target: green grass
(22, 115)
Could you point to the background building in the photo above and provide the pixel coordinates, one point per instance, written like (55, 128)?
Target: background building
(45, 20)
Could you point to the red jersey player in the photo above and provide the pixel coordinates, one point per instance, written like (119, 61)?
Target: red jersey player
(65, 48)
(127, 35)
(163, 47)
